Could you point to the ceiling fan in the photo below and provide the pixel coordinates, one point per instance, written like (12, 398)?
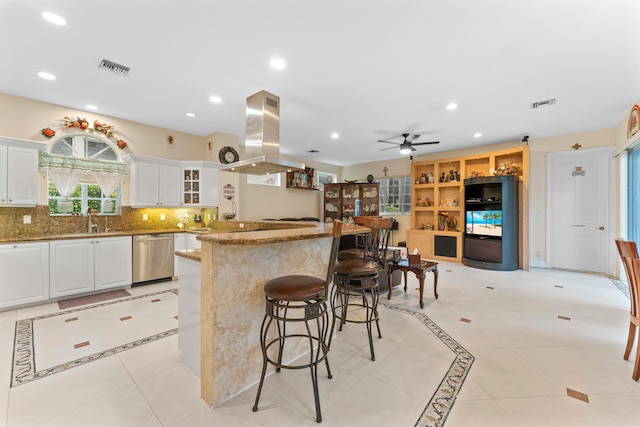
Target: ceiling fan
(406, 146)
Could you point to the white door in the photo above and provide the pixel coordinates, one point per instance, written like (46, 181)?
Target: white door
(578, 184)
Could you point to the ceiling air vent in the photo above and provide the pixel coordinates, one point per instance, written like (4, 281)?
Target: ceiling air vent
(118, 69)
(544, 103)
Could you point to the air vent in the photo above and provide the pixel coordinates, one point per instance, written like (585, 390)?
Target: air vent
(271, 102)
(118, 69)
(544, 103)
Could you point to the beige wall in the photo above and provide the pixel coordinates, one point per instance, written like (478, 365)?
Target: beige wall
(24, 118)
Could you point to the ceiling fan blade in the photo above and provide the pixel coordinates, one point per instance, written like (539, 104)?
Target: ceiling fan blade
(389, 142)
(426, 143)
(413, 138)
(389, 148)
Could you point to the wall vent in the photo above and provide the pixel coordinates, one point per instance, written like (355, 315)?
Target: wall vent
(544, 103)
(121, 70)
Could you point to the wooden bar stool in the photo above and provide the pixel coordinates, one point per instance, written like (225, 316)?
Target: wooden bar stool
(356, 280)
(629, 255)
(299, 299)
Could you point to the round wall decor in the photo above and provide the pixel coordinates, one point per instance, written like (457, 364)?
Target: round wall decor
(228, 155)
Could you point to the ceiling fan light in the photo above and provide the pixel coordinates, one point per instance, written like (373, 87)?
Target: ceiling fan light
(406, 150)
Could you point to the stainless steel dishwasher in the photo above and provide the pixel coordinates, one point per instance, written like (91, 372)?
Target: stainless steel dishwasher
(152, 257)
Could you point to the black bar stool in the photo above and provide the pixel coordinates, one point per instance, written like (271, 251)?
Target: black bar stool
(298, 298)
(356, 280)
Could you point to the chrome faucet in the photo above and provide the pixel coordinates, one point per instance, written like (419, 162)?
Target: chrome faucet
(91, 226)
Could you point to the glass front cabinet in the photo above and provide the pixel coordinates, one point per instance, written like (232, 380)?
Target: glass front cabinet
(345, 201)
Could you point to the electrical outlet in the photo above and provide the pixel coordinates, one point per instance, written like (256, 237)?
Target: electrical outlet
(241, 225)
(26, 219)
(163, 217)
(145, 217)
(208, 216)
(537, 254)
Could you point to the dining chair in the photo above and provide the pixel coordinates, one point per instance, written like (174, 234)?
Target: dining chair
(629, 255)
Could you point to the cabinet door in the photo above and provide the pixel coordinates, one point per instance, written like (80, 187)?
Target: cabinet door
(25, 273)
(179, 244)
(22, 176)
(145, 185)
(72, 266)
(169, 186)
(113, 262)
(209, 195)
(3, 174)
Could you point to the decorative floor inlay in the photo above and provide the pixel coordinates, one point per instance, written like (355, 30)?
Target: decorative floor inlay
(24, 357)
(439, 406)
(578, 395)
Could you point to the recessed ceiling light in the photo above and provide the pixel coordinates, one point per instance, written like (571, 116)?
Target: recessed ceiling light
(277, 63)
(90, 107)
(54, 19)
(477, 135)
(46, 76)
(215, 99)
(191, 114)
(452, 106)
(335, 135)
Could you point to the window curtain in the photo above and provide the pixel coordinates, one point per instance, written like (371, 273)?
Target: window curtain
(54, 162)
(107, 183)
(634, 194)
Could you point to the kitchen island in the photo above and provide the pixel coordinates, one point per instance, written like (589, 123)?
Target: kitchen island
(221, 313)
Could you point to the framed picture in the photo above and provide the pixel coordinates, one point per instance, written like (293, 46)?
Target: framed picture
(326, 178)
(272, 180)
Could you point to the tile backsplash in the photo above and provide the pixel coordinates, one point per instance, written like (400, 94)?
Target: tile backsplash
(12, 220)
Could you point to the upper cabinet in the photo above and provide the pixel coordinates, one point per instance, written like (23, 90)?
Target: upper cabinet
(18, 172)
(154, 182)
(199, 184)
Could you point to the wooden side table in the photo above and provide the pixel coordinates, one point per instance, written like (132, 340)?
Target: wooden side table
(420, 270)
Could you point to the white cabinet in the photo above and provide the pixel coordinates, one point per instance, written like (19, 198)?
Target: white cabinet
(25, 273)
(18, 173)
(85, 265)
(154, 182)
(199, 184)
(179, 244)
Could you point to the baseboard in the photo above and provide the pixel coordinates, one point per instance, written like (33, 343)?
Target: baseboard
(537, 264)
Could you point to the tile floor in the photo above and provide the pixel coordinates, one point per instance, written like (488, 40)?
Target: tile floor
(534, 337)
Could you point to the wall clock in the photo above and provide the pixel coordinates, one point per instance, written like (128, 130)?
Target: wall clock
(228, 155)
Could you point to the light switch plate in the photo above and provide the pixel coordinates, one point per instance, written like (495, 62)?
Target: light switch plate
(145, 217)
(26, 219)
(163, 217)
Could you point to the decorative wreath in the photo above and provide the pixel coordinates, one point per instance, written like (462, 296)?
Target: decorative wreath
(83, 124)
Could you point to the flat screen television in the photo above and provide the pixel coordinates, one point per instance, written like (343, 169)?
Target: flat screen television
(484, 223)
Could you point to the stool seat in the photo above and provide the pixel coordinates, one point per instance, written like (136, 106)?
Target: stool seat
(351, 253)
(295, 288)
(358, 267)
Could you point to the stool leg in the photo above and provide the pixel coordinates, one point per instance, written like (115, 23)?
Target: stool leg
(313, 368)
(322, 338)
(630, 340)
(263, 346)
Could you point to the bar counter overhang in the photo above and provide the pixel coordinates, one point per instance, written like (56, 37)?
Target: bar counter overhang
(233, 270)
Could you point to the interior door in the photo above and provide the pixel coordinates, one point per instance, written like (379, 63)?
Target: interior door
(578, 184)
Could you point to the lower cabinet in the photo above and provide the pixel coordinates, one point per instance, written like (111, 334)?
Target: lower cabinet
(85, 265)
(25, 273)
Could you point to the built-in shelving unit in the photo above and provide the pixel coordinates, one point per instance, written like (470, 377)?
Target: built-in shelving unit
(438, 192)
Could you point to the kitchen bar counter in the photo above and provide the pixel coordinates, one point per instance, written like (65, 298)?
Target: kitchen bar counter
(229, 301)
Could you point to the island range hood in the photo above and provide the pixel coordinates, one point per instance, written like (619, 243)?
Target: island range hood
(262, 139)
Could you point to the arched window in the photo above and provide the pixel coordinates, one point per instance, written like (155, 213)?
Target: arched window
(84, 172)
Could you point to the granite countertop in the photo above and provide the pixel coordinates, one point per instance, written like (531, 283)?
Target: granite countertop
(67, 236)
(270, 236)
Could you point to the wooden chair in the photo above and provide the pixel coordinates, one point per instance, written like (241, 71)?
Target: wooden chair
(629, 255)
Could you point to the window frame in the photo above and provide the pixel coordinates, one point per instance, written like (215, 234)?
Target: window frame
(402, 196)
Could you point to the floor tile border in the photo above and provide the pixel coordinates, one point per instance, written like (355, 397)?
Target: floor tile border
(23, 367)
(439, 406)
